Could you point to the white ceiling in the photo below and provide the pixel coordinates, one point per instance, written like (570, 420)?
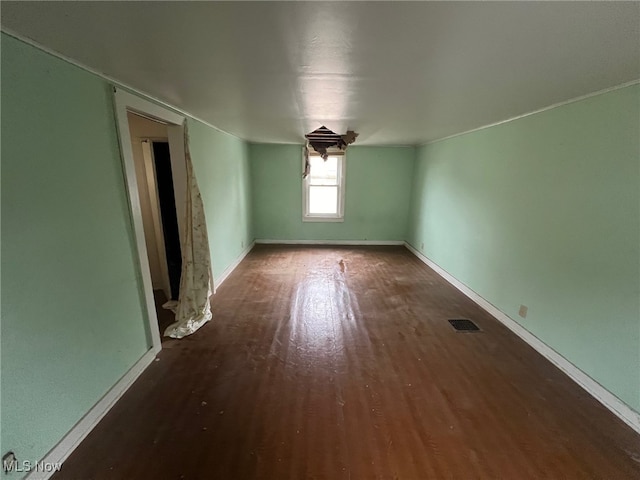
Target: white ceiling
(398, 73)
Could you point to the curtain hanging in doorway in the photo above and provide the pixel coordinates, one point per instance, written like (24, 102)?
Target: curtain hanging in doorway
(196, 283)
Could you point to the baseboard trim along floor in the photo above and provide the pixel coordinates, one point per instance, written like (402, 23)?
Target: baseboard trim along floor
(604, 396)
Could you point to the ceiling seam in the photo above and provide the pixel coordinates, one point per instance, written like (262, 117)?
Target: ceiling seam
(534, 112)
(110, 79)
(147, 96)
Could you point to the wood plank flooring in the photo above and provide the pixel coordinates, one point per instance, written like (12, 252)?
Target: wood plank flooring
(339, 363)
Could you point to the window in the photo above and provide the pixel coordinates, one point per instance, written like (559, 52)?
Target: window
(323, 188)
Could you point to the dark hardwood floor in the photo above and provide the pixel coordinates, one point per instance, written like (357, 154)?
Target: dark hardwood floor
(339, 363)
(165, 317)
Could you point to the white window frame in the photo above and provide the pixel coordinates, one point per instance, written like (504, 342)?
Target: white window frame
(324, 217)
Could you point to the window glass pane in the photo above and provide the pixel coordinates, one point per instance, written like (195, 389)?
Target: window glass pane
(323, 200)
(323, 172)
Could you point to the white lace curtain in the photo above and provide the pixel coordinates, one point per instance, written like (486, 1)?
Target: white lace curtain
(196, 283)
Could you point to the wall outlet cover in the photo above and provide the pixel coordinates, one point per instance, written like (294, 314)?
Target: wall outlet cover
(523, 311)
(9, 462)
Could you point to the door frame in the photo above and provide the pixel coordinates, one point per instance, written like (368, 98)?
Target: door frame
(124, 102)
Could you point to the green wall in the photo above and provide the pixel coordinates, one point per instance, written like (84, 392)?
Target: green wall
(72, 316)
(544, 211)
(221, 164)
(376, 203)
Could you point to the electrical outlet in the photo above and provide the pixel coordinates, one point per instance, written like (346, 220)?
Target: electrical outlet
(9, 462)
(523, 311)
(242, 244)
(422, 246)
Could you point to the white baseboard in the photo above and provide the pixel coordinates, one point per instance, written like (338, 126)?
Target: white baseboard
(600, 393)
(78, 433)
(232, 267)
(329, 242)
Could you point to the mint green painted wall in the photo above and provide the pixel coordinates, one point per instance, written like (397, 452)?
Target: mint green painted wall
(221, 164)
(72, 316)
(545, 211)
(378, 183)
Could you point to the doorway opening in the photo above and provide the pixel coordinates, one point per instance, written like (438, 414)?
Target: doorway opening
(152, 145)
(168, 216)
(156, 194)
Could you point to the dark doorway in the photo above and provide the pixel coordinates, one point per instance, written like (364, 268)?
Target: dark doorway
(166, 197)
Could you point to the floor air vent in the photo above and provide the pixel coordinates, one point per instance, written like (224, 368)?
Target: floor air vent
(464, 325)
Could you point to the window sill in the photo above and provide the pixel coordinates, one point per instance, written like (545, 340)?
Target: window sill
(322, 219)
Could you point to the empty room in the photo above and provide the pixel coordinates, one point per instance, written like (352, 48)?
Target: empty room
(320, 240)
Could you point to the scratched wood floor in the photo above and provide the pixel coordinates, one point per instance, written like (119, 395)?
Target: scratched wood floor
(338, 363)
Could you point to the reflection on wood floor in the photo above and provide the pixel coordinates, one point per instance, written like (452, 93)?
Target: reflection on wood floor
(339, 363)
